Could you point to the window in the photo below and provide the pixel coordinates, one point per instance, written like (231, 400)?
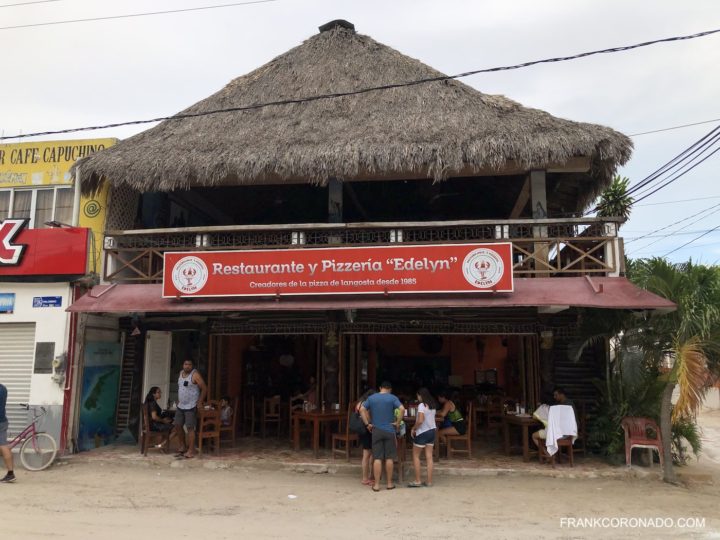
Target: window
(39, 205)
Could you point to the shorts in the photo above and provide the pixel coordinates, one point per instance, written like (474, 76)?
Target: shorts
(384, 444)
(160, 427)
(365, 440)
(541, 433)
(460, 427)
(3, 433)
(426, 438)
(186, 417)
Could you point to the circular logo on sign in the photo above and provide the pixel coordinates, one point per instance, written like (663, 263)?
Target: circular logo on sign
(189, 275)
(483, 268)
(92, 208)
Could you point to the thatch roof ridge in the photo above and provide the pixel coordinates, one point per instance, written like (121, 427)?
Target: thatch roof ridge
(433, 129)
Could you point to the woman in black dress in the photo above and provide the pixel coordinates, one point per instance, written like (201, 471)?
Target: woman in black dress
(159, 421)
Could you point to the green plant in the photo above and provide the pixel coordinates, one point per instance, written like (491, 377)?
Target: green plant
(685, 430)
(629, 392)
(615, 201)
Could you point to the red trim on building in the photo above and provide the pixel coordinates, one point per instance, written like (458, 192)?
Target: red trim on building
(600, 292)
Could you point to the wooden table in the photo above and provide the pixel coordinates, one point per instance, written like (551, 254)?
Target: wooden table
(316, 418)
(524, 423)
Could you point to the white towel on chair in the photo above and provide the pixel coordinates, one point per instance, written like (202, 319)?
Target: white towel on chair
(561, 423)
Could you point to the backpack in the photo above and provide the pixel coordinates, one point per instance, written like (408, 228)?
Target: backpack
(356, 424)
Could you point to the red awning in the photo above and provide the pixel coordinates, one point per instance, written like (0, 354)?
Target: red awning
(553, 294)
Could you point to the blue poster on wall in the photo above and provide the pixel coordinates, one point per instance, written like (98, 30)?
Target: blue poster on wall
(101, 378)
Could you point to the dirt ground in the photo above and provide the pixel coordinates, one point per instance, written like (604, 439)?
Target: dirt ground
(116, 500)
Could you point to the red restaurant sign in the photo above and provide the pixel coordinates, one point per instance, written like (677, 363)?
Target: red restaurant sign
(447, 268)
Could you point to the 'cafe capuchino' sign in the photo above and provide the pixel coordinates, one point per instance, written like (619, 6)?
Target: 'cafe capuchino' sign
(447, 268)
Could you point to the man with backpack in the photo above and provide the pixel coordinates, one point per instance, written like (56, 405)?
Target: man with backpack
(381, 408)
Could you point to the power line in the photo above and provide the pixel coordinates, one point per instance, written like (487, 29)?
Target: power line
(674, 127)
(642, 248)
(661, 237)
(28, 3)
(679, 175)
(675, 223)
(678, 201)
(693, 240)
(131, 15)
(698, 147)
(695, 246)
(368, 89)
(668, 235)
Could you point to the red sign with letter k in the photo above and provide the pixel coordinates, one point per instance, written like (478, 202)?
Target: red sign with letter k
(11, 254)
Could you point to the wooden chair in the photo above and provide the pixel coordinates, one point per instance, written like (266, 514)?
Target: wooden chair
(293, 407)
(271, 414)
(147, 436)
(496, 410)
(232, 428)
(580, 446)
(345, 438)
(464, 440)
(249, 415)
(641, 433)
(209, 428)
(565, 442)
(401, 450)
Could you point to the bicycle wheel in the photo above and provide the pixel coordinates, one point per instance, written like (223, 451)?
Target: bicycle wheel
(38, 453)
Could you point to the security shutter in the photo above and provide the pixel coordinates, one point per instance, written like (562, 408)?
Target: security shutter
(17, 354)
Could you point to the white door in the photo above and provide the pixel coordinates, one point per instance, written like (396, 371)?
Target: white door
(17, 355)
(158, 347)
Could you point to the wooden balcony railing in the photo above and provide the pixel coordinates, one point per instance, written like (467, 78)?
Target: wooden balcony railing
(541, 247)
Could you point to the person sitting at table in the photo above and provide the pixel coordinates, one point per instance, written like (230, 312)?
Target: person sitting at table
(365, 440)
(542, 414)
(453, 422)
(423, 435)
(310, 395)
(159, 420)
(226, 411)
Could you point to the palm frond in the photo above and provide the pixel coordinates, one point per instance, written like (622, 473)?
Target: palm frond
(692, 376)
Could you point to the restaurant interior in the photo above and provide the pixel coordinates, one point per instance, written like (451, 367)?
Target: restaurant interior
(270, 377)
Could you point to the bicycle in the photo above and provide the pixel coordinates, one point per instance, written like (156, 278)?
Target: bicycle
(38, 449)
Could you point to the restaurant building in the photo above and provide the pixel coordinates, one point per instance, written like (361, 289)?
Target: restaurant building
(50, 242)
(425, 233)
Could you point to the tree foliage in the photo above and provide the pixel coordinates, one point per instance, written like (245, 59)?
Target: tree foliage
(615, 200)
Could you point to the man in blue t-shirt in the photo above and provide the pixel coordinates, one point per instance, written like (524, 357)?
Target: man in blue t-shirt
(381, 408)
(4, 448)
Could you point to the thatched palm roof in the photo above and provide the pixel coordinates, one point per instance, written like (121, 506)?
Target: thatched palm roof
(432, 130)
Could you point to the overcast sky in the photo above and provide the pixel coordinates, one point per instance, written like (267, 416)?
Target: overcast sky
(72, 75)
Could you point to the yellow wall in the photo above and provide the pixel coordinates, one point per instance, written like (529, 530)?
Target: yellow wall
(47, 164)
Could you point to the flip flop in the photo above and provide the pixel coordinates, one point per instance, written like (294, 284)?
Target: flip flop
(391, 487)
(415, 485)
(367, 482)
(190, 457)
(375, 489)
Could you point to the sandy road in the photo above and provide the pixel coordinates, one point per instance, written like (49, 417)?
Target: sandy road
(95, 500)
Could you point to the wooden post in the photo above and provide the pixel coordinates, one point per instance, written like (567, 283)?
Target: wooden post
(335, 201)
(330, 368)
(539, 211)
